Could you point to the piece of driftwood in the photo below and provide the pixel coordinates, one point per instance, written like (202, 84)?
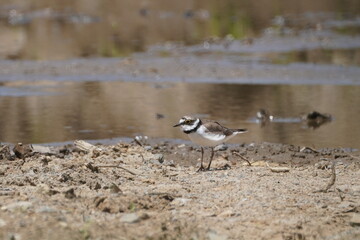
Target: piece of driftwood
(87, 147)
(278, 169)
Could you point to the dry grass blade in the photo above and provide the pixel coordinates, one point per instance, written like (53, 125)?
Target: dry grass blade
(278, 169)
(116, 166)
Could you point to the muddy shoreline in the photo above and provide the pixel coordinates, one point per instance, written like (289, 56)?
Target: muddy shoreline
(127, 191)
(211, 68)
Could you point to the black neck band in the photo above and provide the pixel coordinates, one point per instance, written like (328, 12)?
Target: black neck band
(194, 129)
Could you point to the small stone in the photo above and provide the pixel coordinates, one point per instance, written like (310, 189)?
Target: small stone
(215, 236)
(2, 223)
(133, 217)
(130, 218)
(355, 219)
(97, 186)
(147, 148)
(93, 168)
(180, 201)
(221, 147)
(221, 163)
(70, 193)
(114, 188)
(159, 157)
(169, 163)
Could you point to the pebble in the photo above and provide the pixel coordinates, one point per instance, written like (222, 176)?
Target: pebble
(2, 223)
(355, 219)
(133, 217)
(147, 148)
(70, 194)
(130, 218)
(159, 157)
(221, 147)
(215, 236)
(180, 201)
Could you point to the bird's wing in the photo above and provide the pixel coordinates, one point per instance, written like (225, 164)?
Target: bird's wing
(216, 129)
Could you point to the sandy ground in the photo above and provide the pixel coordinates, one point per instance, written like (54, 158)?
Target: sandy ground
(127, 191)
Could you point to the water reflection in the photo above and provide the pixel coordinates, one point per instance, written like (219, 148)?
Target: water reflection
(98, 110)
(310, 120)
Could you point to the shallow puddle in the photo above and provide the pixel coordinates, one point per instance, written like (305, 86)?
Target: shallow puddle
(100, 110)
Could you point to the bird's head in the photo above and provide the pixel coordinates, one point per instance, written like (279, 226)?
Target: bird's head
(188, 123)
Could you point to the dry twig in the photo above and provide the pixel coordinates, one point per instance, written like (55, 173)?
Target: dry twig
(242, 157)
(332, 179)
(85, 146)
(340, 194)
(115, 166)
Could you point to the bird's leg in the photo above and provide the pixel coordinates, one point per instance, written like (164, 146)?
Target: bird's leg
(202, 158)
(211, 157)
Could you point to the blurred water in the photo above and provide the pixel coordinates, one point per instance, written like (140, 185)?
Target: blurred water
(98, 110)
(42, 29)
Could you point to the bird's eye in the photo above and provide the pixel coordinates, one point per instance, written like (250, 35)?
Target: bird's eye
(188, 121)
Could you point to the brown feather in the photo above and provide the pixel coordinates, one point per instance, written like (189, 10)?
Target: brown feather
(217, 128)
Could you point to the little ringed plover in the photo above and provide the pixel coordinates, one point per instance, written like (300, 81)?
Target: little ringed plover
(206, 134)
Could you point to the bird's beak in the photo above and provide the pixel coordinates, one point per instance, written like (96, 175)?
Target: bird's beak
(176, 125)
